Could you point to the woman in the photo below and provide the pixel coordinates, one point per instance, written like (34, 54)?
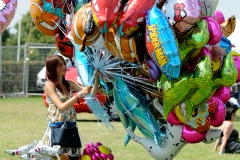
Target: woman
(229, 142)
(58, 92)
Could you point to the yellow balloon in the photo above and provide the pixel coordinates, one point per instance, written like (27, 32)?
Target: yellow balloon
(234, 53)
(179, 114)
(104, 150)
(86, 157)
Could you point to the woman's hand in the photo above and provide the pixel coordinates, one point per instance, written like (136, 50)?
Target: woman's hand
(96, 73)
(85, 90)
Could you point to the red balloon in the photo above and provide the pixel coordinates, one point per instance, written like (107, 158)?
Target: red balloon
(64, 45)
(133, 15)
(105, 13)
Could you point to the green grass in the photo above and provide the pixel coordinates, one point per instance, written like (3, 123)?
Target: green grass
(23, 120)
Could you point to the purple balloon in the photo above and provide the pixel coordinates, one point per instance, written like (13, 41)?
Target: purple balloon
(237, 64)
(218, 117)
(190, 135)
(223, 93)
(172, 118)
(214, 30)
(154, 71)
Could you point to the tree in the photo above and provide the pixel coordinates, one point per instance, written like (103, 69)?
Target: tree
(29, 33)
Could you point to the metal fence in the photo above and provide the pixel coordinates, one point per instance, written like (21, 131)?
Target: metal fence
(19, 67)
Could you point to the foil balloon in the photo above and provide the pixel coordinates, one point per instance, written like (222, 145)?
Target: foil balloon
(105, 13)
(219, 115)
(228, 26)
(84, 31)
(77, 4)
(237, 64)
(153, 69)
(85, 71)
(218, 15)
(96, 151)
(64, 45)
(125, 119)
(7, 13)
(133, 16)
(214, 30)
(199, 120)
(182, 14)
(208, 7)
(169, 149)
(139, 37)
(56, 7)
(196, 40)
(46, 22)
(227, 77)
(173, 119)
(223, 93)
(182, 88)
(193, 61)
(137, 110)
(191, 136)
(148, 70)
(161, 43)
(123, 47)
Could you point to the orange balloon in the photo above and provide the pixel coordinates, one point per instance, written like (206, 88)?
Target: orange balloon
(46, 22)
(83, 22)
(123, 47)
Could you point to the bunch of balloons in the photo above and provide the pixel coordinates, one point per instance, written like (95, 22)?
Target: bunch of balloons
(96, 152)
(7, 8)
(169, 62)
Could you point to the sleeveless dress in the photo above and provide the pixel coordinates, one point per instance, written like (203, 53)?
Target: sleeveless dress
(56, 115)
(233, 143)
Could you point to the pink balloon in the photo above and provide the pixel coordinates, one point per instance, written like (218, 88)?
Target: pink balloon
(218, 117)
(172, 118)
(237, 64)
(214, 30)
(191, 136)
(223, 93)
(218, 15)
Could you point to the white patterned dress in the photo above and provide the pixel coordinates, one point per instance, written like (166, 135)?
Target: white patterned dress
(56, 115)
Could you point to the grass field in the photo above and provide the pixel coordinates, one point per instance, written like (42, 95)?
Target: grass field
(23, 120)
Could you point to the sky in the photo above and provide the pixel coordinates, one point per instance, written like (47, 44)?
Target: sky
(228, 8)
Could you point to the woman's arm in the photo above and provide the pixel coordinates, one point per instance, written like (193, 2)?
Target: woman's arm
(50, 91)
(226, 133)
(96, 83)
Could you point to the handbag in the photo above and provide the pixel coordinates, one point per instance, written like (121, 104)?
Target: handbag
(65, 134)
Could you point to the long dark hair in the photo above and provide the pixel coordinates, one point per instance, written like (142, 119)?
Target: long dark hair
(52, 64)
(229, 112)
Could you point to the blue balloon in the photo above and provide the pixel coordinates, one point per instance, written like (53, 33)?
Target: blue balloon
(140, 114)
(125, 119)
(85, 70)
(161, 37)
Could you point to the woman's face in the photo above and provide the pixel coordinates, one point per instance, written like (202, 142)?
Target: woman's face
(61, 68)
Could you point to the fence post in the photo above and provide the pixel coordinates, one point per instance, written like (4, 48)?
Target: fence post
(25, 70)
